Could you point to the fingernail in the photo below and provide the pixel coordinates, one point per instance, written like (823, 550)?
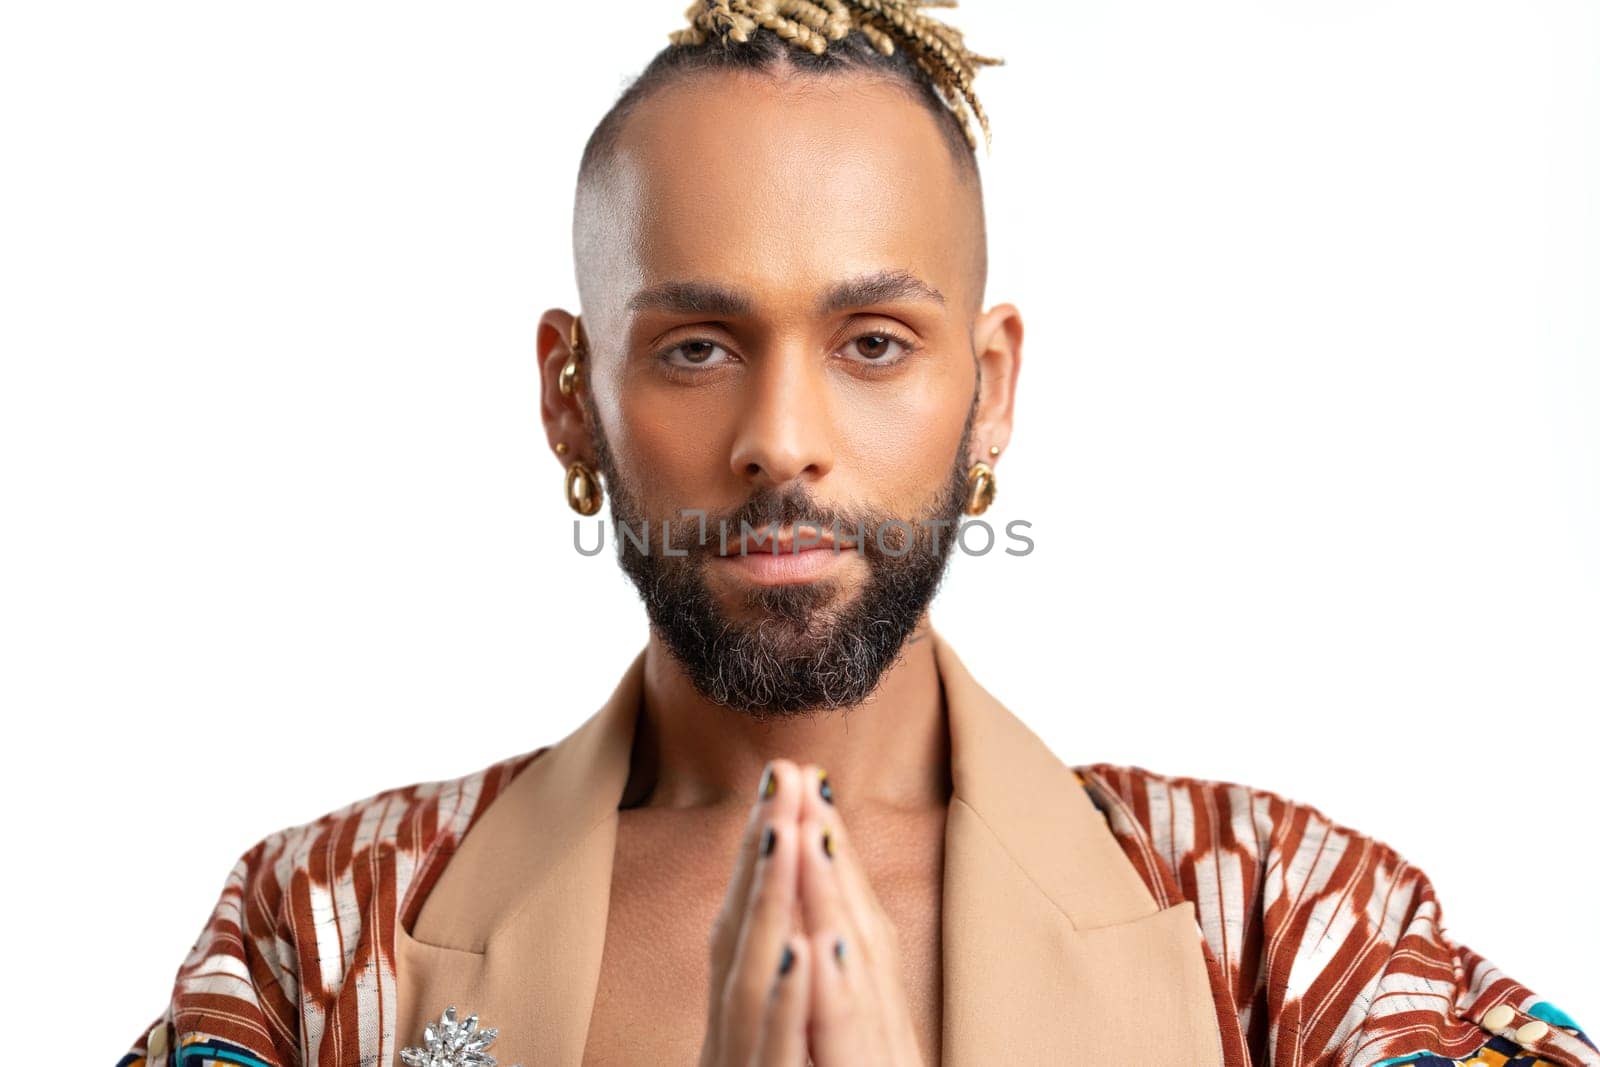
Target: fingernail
(824, 787)
(838, 951)
(769, 783)
(769, 838)
(827, 844)
(786, 962)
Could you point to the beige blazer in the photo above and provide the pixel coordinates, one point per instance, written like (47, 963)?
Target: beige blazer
(1051, 942)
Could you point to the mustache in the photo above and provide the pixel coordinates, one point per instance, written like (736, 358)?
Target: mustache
(768, 508)
(792, 506)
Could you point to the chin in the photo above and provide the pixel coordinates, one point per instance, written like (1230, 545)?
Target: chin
(801, 609)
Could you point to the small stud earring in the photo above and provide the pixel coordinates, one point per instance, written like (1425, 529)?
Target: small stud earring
(561, 448)
(994, 451)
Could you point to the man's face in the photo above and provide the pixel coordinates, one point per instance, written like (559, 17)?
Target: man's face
(779, 280)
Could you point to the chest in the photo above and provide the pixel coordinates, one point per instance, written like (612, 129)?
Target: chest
(669, 876)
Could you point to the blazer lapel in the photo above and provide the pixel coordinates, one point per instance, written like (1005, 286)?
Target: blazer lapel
(1051, 942)
(1053, 948)
(514, 929)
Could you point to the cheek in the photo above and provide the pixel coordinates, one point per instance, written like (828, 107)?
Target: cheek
(671, 446)
(899, 442)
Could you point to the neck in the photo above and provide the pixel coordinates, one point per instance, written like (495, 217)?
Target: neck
(891, 750)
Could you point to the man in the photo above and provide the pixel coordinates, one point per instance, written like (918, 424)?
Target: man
(786, 383)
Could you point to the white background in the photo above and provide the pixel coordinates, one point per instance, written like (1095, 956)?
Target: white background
(1306, 430)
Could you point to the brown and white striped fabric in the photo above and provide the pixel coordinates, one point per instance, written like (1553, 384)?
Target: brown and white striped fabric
(1324, 947)
(296, 964)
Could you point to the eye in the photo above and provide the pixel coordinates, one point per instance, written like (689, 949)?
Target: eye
(878, 348)
(695, 353)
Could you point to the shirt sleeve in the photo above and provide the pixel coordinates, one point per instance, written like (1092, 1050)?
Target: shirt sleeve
(1326, 948)
(234, 998)
(1360, 970)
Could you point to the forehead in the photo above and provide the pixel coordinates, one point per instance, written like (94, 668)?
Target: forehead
(783, 185)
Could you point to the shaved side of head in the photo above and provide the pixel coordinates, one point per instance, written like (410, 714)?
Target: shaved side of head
(821, 84)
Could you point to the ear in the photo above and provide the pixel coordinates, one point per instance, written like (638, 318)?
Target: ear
(565, 422)
(997, 339)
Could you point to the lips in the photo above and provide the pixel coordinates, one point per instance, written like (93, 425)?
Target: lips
(790, 539)
(785, 556)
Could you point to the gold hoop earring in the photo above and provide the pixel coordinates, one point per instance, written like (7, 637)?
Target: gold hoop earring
(583, 488)
(981, 488)
(568, 382)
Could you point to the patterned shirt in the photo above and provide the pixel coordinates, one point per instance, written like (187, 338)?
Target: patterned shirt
(1323, 947)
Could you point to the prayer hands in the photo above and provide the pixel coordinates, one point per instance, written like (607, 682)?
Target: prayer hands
(804, 962)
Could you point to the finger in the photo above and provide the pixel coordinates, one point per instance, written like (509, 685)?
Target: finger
(822, 900)
(816, 791)
(842, 1028)
(841, 883)
(768, 920)
(783, 1031)
(871, 923)
(776, 803)
(776, 800)
(844, 999)
(878, 957)
(865, 924)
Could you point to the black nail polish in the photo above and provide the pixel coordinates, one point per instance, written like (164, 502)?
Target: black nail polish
(838, 951)
(769, 839)
(827, 844)
(787, 962)
(824, 787)
(769, 783)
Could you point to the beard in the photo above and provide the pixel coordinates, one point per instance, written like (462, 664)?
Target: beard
(796, 648)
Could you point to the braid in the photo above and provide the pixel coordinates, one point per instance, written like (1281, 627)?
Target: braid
(937, 49)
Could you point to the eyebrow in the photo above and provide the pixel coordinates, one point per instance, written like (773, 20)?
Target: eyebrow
(692, 298)
(882, 287)
(710, 298)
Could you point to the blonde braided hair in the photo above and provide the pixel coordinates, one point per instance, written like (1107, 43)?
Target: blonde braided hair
(937, 48)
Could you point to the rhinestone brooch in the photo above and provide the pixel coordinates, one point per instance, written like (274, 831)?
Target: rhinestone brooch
(448, 1043)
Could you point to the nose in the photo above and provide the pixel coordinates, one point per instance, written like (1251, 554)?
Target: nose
(785, 425)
